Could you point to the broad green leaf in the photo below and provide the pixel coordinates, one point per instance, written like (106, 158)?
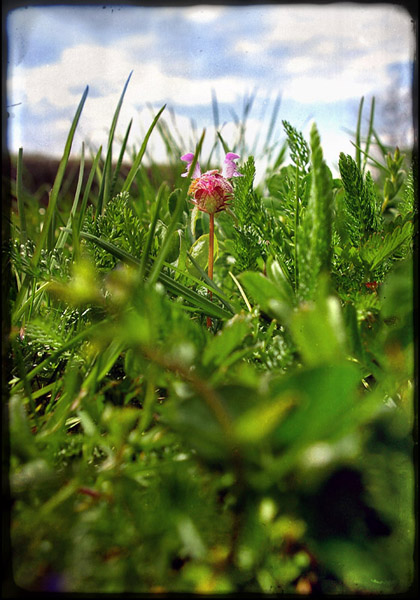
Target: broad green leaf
(257, 424)
(272, 299)
(200, 252)
(358, 567)
(327, 408)
(225, 341)
(318, 331)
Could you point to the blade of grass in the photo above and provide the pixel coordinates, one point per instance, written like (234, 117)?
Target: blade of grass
(369, 135)
(378, 164)
(87, 189)
(209, 283)
(104, 191)
(120, 159)
(52, 202)
(19, 197)
(225, 146)
(241, 290)
(30, 300)
(57, 353)
(382, 147)
(131, 175)
(273, 120)
(63, 234)
(201, 303)
(358, 132)
(151, 233)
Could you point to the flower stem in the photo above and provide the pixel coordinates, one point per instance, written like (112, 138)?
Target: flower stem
(211, 257)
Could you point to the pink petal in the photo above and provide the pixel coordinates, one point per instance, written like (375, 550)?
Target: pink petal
(229, 166)
(188, 158)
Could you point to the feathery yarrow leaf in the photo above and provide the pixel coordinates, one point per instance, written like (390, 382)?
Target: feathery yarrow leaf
(360, 202)
(315, 233)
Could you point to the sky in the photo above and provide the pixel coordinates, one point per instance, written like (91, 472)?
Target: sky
(314, 62)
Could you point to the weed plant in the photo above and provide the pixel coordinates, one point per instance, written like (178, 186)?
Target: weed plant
(271, 452)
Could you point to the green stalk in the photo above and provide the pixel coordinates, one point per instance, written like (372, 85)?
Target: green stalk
(211, 259)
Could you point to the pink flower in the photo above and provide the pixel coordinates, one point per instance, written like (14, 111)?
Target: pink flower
(188, 158)
(211, 191)
(229, 166)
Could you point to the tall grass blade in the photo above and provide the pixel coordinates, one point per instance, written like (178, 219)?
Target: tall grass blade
(86, 193)
(120, 160)
(62, 238)
(359, 131)
(57, 353)
(104, 191)
(19, 197)
(53, 199)
(369, 135)
(201, 303)
(150, 234)
(136, 165)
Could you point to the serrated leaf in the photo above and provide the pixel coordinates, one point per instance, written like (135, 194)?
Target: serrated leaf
(378, 247)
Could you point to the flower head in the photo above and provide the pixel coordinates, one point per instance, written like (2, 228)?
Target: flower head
(211, 191)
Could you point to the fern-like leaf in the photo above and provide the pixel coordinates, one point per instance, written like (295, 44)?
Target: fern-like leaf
(379, 248)
(314, 236)
(119, 225)
(360, 203)
(252, 220)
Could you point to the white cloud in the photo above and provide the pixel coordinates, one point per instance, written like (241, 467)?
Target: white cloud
(361, 25)
(315, 89)
(335, 54)
(247, 47)
(105, 71)
(203, 13)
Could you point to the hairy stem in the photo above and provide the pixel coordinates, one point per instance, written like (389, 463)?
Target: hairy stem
(211, 258)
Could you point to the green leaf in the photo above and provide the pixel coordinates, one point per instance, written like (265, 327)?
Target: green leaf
(359, 568)
(314, 235)
(200, 253)
(318, 330)
(273, 299)
(256, 424)
(326, 409)
(225, 341)
(378, 247)
(361, 206)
